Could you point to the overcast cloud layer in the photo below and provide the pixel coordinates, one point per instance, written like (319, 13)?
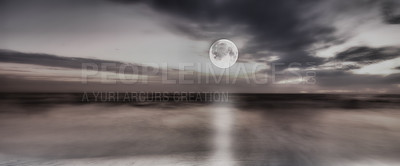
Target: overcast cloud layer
(350, 45)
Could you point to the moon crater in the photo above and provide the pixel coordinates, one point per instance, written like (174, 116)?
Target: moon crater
(223, 53)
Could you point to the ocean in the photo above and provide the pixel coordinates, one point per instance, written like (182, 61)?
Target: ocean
(244, 129)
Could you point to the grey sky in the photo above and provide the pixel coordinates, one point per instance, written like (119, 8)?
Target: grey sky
(352, 46)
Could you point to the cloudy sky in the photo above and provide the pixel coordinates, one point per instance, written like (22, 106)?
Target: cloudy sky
(292, 46)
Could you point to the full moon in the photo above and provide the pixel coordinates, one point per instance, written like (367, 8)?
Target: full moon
(223, 53)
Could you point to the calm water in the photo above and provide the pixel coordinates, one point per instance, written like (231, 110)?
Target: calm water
(276, 130)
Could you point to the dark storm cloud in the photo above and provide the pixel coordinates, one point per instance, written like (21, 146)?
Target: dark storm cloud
(389, 12)
(341, 76)
(288, 28)
(368, 55)
(344, 79)
(277, 26)
(73, 62)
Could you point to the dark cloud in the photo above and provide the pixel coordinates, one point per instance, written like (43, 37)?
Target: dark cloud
(341, 75)
(288, 28)
(73, 62)
(368, 55)
(344, 79)
(277, 26)
(348, 67)
(390, 12)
